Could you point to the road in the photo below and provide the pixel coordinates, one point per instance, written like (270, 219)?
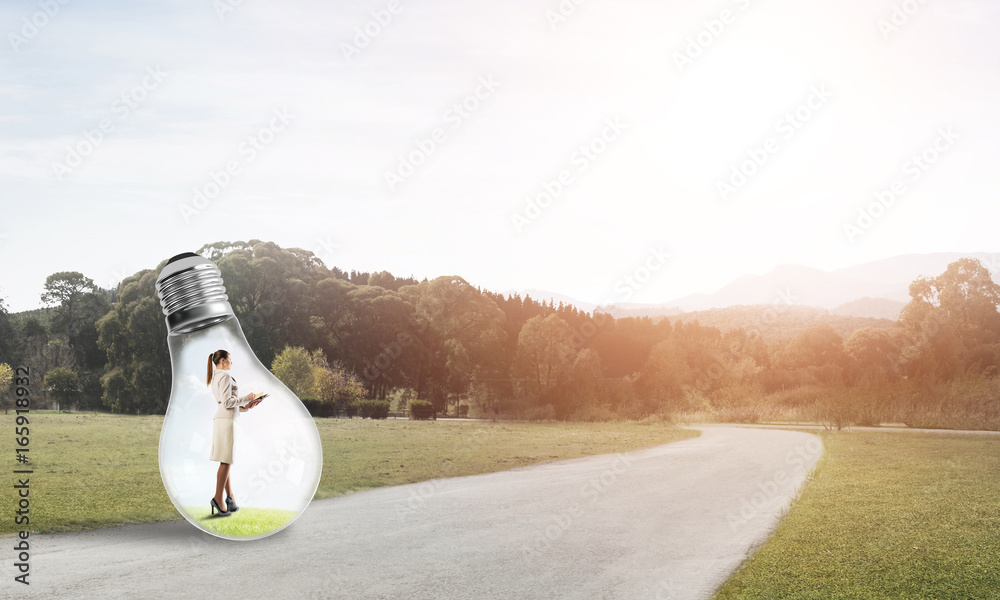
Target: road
(881, 429)
(672, 521)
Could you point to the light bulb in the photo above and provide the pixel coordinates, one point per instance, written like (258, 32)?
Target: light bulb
(277, 457)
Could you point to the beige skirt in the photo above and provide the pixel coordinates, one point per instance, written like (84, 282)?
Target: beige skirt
(222, 441)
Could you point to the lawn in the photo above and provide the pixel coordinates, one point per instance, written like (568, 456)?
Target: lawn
(245, 522)
(96, 470)
(887, 515)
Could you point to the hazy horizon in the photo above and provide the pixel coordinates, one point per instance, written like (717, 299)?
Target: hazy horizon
(780, 296)
(714, 141)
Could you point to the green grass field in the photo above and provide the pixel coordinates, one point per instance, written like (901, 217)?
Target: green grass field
(96, 470)
(887, 516)
(246, 522)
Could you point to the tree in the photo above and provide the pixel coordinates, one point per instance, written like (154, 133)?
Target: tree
(6, 376)
(545, 355)
(459, 370)
(377, 339)
(876, 351)
(752, 346)
(949, 317)
(330, 316)
(294, 367)
(80, 304)
(137, 379)
(81, 329)
(459, 332)
(269, 290)
(585, 384)
(624, 344)
(383, 279)
(40, 351)
(32, 328)
(66, 289)
(8, 337)
(815, 346)
(63, 384)
(967, 297)
(335, 385)
(665, 375)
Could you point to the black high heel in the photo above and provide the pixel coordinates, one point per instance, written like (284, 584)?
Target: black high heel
(215, 506)
(231, 504)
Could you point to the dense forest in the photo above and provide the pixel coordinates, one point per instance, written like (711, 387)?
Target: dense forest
(460, 348)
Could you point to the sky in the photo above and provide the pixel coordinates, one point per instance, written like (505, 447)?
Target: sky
(566, 146)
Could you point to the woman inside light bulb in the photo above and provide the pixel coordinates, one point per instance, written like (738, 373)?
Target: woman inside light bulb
(230, 405)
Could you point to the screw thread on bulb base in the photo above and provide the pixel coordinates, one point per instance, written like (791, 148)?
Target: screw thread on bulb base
(192, 293)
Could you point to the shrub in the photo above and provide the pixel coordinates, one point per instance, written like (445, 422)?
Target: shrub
(778, 380)
(421, 409)
(751, 413)
(372, 409)
(838, 408)
(875, 403)
(798, 397)
(540, 413)
(733, 395)
(659, 418)
(592, 413)
(63, 384)
(293, 366)
(463, 410)
(318, 408)
(640, 408)
(967, 402)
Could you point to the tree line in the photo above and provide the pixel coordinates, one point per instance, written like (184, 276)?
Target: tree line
(451, 344)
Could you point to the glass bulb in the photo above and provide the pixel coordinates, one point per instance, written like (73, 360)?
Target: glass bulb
(277, 457)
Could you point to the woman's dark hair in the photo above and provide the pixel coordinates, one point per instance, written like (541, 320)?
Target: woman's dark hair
(213, 359)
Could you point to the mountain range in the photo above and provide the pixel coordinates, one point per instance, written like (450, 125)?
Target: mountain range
(874, 290)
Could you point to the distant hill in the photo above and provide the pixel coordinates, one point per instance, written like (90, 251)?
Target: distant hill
(620, 311)
(887, 279)
(44, 315)
(778, 322)
(873, 308)
(867, 295)
(784, 285)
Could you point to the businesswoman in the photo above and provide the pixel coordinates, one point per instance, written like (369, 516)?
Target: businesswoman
(230, 405)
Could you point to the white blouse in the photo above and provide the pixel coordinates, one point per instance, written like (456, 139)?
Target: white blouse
(226, 393)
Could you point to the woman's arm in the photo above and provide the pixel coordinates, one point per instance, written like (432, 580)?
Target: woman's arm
(229, 397)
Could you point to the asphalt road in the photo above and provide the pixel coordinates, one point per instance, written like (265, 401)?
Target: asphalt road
(667, 522)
